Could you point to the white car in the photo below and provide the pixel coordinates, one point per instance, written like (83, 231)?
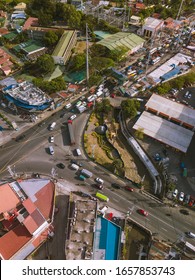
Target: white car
(51, 139)
(67, 106)
(99, 181)
(181, 196)
(175, 193)
(72, 117)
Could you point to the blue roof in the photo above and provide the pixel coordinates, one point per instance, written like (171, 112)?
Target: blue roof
(171, 73)
(107, 237)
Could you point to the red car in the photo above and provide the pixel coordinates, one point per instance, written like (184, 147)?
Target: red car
(109, 216)
(112, 95)
(143, 212)
(129, 188)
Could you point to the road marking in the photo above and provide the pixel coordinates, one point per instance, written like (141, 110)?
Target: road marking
(164, 229)
(115, 199)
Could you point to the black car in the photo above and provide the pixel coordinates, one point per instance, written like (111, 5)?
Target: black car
(61, 165)
(116, 186)
(21, 137)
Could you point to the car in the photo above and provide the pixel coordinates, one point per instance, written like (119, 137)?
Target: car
(19, 138)
(112, 95)
(187, 198)
(191, 202)
(67, 106)
(116, 186)
(100, 187)
(129, 188)
(51, 139)
(181, 197)
(61, 165)
(143, 212)
(72, 117)
(189, 96)
(186, 94)
(175, 193)
(99, 181)
(76, 162)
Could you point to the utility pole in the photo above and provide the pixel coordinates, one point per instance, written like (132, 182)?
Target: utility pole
(87, 57)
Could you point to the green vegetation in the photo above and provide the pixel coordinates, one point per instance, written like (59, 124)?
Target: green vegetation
(55, 85)
(129, 108)
(45, 64)
(178, 83)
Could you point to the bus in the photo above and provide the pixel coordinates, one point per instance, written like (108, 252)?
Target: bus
(154, 61)
(102, 197)
(152, 50)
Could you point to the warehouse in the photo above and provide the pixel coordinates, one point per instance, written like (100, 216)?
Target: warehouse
(173, 111)
(164, 131)
(119, 40)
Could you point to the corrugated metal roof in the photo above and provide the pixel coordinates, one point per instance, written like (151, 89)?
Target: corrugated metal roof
(122, 39)
(63, 43)
(164, 131)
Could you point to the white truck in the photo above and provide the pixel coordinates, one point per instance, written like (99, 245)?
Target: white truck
(86, 173)
(52, 126)
(81, 109)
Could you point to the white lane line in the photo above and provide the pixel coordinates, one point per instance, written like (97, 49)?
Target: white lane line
(164, 229)
(115, 199)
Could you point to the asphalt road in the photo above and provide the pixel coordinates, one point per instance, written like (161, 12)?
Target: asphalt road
(31, 155)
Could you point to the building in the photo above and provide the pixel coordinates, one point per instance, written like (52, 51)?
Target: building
(164, 131)
(172, 24)
(25, 95)
(129, 41)
(31, 21)
(31, 49)
(168, 122)
(62, 51)
(151, 27)
(134, 20)
(172, 111)
(20, 6)
(37, 33)
(26, 216)
(5, 62)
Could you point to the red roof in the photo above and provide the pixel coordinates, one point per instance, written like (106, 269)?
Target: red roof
(3, 31)
(45, 200)
(31, 21)
(14, 240)
(8, 199)
(140, 6)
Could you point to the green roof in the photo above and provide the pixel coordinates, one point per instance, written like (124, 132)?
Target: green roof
(122, 39)
(10, 36)
(63, 43)
(101, 34)
(29, 46)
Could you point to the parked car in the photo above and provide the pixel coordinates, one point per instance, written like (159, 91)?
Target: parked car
(61, 165)
(143, 212)
(181, 196)
(76, 162)
(129, 188)
(99, 181)
(51, 139)
(175, 193)
(187, 198)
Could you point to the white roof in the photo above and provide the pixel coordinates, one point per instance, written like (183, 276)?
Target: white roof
(172, 109)
(164, 131)
(152, 22)
(166, 67)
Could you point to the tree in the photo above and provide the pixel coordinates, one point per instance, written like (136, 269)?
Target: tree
(139, 133)
(101, 63)
(103, 107)
(45, 64)
(78, 61)
(50, 38)
(130, 107)
(44, 18)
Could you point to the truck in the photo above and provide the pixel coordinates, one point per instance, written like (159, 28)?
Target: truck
(102, 197)
(71, 132)
(86, 173)
(52, 126)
